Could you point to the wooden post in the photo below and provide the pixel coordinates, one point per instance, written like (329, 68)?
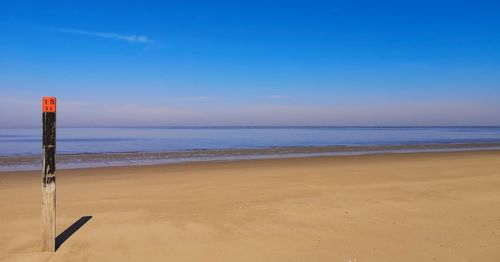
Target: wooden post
(49, 174)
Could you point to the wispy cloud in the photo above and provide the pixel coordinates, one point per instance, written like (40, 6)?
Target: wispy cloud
(196, 98)
(128, 38)
(278, 97)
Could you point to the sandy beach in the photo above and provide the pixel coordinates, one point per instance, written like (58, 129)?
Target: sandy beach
(387, 207)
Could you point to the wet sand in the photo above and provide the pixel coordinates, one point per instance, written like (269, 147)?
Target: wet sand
(388, 207)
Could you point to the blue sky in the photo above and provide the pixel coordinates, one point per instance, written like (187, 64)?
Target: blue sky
(251, 63)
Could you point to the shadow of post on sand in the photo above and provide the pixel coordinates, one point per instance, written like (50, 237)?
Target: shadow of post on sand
(61, 238)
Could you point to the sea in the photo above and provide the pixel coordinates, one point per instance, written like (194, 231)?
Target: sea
(20, 148)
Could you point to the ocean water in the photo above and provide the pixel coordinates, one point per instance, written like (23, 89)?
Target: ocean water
(27, 141)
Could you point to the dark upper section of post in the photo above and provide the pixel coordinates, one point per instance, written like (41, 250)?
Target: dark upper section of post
(49, 129)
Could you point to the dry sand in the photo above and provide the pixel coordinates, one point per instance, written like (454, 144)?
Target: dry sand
(392, 207)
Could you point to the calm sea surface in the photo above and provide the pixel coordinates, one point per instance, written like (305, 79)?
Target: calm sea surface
(25, 142)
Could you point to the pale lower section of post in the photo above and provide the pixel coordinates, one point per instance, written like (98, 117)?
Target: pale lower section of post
(49, 217)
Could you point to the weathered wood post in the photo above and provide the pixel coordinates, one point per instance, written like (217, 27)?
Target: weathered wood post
(49, 174)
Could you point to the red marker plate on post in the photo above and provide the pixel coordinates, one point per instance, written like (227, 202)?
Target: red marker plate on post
(49, 104)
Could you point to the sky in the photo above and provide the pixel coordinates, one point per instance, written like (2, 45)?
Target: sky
(185, 63)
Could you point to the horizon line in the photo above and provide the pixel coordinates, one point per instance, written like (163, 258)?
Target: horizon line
(270, 126)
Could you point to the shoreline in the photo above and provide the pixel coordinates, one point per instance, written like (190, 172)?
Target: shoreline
(88, 161)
